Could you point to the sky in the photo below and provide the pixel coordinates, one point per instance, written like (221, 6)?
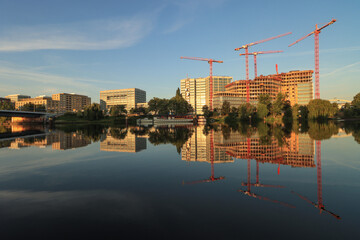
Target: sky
(86, 46)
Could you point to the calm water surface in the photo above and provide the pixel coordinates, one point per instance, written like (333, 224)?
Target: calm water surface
(181, 183)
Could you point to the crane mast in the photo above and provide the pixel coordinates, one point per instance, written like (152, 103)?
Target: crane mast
(246, 47)
(316, 33)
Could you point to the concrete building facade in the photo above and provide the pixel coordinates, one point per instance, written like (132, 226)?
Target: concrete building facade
(49, 104)
(17, 97)
(129, 98)
(196, 91)
(297, 86)
(71, 102)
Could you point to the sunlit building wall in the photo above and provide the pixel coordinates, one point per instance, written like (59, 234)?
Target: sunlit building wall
(49, 104)
(196, 91)
(17, 97)
(129, 98)
(297, 86)
(71, 102)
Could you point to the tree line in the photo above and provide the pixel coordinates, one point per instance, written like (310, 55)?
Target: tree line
(280, 110)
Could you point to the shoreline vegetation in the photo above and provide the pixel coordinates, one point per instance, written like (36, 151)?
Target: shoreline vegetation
(274, 112)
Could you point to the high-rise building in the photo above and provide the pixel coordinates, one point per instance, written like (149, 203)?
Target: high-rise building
(71, 102)
(297, 86)
(129, 98)
(196, 91)
(17, 97)
(49, 104)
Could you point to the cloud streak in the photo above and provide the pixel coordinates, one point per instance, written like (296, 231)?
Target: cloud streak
(90, 35)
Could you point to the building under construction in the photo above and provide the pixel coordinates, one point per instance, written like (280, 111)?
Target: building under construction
(297, 86)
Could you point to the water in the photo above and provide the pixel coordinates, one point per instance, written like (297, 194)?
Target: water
(181, 183)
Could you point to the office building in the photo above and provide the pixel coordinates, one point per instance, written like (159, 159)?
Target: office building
(49, 104)
(17, 97)
(129, 98)
(71, 102)
(196, 91)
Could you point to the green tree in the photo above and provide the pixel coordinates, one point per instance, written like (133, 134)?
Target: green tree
(264, 99)
(356, 101)
(7, 106)
(262, 111)
(117, 110)
(159, 106)
(207, 113)
(178, 105)
(225, 109)
(321, 109)
(278, 104)
(92, 112)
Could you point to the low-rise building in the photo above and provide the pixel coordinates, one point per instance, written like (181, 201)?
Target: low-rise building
(235, 99)
(129, 98)
(17, 97)
(49, 104)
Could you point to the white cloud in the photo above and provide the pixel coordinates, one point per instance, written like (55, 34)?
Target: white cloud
(16, 79)
(91, 35)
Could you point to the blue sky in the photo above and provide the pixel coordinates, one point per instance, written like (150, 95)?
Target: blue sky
(56, 46)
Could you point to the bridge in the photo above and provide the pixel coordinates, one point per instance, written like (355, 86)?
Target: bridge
(24, 114)
(26, 117)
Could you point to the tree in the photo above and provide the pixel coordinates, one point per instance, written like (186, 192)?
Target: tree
(178, 105)
(264, 99)
(356, 101)
(262, 111)
(321, 109)
(7, 106)
(278, 104)
(92, 112)
(159, 106)
(117, 110)
(225, 109)
(207, 113)
(178, 93)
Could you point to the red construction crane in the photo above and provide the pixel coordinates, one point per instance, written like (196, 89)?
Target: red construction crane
(255, 55)
(316, 35)
(210, 61)
(246, 47)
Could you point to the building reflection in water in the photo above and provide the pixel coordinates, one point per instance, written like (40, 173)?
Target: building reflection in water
(122, 140)
(58, 140)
